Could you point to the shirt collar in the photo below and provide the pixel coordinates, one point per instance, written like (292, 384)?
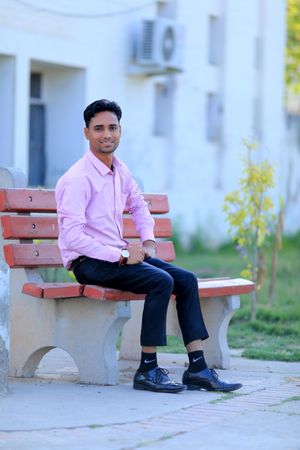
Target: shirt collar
(99, 165)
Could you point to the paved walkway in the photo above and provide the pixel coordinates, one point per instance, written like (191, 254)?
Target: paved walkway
(54, 411)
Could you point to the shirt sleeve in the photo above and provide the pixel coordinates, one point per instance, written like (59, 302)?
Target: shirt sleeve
(139, 210)
(72, 197)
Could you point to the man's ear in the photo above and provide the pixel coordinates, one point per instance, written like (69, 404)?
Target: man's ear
(86, 133)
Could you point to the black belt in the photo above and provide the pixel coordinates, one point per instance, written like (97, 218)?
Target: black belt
(77, 261)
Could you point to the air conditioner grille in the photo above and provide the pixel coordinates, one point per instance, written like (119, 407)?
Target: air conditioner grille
(147, 47)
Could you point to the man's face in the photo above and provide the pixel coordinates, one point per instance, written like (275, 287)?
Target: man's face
(103, 133)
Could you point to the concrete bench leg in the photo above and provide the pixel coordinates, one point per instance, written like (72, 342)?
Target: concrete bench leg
(130, 342)
(91, 338)
(85, 329)
(217, 313)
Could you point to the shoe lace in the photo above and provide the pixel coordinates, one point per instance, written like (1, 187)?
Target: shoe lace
(214, 374)
(160, 371)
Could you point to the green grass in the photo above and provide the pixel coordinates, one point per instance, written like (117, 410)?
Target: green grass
(275, 334)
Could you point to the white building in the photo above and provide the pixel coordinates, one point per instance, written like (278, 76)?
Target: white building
(212, 82)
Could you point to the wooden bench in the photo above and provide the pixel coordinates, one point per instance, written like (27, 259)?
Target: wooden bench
(86, 320)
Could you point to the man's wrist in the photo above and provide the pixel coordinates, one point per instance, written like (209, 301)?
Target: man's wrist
(124, 257)
(149, 243)
(149, 249)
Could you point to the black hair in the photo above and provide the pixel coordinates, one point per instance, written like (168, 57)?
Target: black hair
(101, 106)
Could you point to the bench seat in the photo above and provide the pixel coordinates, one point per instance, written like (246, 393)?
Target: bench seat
(207, 288)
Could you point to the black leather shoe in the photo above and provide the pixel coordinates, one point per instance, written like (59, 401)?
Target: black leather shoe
(156, 380)
(207, 379)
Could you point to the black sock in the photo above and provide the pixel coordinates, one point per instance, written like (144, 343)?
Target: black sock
(148, 362)
(197, 361)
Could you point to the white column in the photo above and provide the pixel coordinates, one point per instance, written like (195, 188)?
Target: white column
(7, 95)
(21, 116)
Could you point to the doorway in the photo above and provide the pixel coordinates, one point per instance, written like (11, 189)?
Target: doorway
(37, 152)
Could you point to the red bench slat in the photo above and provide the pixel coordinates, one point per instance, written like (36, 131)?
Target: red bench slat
(207, 288)
(107, 294)
(220, 287)
(48, 255)
(26, 200)
(53, 290)
(38, 200)
(37, 227)
(29, 227)
(162, 228)
(32, 255)
(157, 203)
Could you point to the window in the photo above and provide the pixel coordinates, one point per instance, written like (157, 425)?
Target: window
(213, 117)
(214, 40)
(258, 53)
(35, 85)
(163, 109)
(37, 128)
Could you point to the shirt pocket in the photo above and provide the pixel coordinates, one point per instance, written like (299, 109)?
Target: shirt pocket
(122, 202)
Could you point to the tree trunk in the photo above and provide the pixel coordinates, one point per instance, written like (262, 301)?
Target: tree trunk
(275, 250)
(254, 301)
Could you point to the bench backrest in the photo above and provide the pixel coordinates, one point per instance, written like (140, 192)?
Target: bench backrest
(30, 218)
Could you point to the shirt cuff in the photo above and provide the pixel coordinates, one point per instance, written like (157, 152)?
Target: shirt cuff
(147, 236)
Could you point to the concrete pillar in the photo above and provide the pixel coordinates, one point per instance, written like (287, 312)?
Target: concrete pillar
(4, 326)
(21, 112)
(9, 178)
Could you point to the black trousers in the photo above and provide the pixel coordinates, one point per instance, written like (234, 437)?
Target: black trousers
(158, 280)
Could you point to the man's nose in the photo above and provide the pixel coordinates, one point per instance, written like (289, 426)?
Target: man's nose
(106, 133)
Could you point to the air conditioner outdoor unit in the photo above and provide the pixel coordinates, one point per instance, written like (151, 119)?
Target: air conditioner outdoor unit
(159, 46)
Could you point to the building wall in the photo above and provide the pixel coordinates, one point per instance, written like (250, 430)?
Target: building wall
(291, 179)
(233, 75)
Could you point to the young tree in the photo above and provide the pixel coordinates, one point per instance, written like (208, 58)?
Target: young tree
(249, 213)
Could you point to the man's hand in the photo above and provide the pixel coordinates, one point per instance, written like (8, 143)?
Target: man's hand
(136, 253)
(149, 249)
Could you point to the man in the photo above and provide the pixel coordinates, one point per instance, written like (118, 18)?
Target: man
(91, 197)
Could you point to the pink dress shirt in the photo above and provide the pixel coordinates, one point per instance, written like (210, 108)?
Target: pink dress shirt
(90, 201)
